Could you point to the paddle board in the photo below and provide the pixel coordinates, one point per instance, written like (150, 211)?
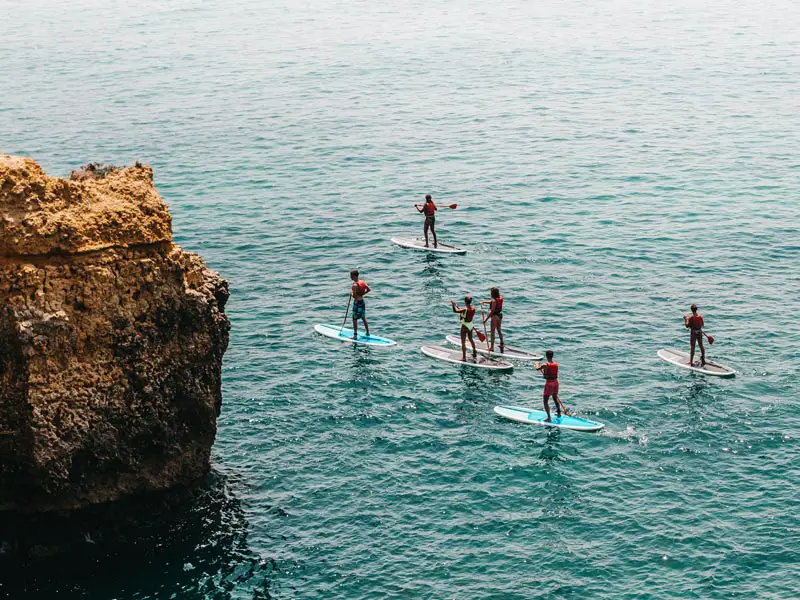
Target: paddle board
(681, 359)
(454, 356)
(483, 348)
(346, 335)
(418, 244)
(537, 417)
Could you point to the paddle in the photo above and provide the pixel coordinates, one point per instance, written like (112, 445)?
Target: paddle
(710, 338)
(453, 206)
(346, 312)
(485, 335)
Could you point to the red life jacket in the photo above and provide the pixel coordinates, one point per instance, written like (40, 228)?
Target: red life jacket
(429, 208)
(696, 322)
(498, 305)
(468, 315)
(551, 371)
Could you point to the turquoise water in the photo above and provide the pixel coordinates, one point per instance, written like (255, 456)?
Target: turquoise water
(612, 163)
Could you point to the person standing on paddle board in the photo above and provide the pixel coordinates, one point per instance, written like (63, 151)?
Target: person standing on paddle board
(550, 372)
(465, 316)
(429, 208)
(694, 323)
(495, 317)
(358, 290)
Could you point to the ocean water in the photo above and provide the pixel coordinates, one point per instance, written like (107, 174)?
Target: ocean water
(612, 161)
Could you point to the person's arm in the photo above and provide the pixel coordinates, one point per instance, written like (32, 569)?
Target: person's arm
(417, 206)
(367, 291)
(353, 290)
(686, 321)
(539, 367)
(456, 309)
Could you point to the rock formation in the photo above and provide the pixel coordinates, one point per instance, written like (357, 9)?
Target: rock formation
(111, 341)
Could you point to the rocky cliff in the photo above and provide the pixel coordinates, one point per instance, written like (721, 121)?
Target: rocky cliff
(111, 341)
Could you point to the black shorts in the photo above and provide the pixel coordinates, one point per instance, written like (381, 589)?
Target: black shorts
(430, 220)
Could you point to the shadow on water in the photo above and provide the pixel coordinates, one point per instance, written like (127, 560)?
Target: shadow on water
(164, 548)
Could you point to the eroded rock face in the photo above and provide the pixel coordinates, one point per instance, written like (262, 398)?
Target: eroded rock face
(111, 342)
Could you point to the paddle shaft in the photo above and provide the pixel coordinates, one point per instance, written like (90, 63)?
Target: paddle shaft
(346, 312)
(484, 324)
(452, 206)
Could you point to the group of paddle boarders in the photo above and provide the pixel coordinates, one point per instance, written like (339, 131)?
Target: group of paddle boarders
(494, 317)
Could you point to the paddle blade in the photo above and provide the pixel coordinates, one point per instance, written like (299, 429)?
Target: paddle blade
(481, 337)
(453, 206)
(710, 339)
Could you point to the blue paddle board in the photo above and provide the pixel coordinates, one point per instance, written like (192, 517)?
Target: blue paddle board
(537, 417)
(345, 334)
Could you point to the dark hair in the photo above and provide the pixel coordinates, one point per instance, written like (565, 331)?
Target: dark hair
(467, 300)
(354, 273)
(428, 198)
(693, 307)
(495, 293)
(549, 354)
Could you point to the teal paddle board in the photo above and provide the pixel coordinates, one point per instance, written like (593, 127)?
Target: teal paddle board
(345, 334)
(537, 417)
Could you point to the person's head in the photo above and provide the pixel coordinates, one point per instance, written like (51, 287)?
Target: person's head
(549, 354)
(694, 308)
(428, 198)
(495, 293)
(468, 300)
(354, 274)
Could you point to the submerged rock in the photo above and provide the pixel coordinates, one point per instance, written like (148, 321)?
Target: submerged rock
(111, 341)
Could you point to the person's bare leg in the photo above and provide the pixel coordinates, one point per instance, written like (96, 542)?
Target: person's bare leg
(500, 333)
(546, 403)
(491, 335)
(472, 341)
(355, 328)
(366, 326)
(463, 343)
(433, 231)
(425, 229)
(691, 353)
(702, 350)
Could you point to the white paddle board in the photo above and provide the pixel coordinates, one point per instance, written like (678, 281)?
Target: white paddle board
(537, 417)
(418, 244)
(346, 335)
(454, 356)
(508, 353)
(681, 359)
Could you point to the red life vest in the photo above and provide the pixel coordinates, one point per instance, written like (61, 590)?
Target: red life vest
(468, 315)
(429, 208)
(551, 371)
(498, 305)
(696, 322)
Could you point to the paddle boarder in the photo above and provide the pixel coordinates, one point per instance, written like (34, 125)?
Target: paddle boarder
(358, 290)
(495, 317)
(429, 209)
(550, 372)
(694, 323)
(465, 316)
